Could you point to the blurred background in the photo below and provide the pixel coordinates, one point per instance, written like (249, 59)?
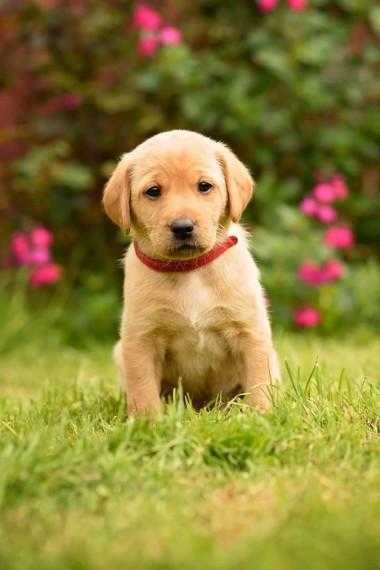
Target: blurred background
(293, 86)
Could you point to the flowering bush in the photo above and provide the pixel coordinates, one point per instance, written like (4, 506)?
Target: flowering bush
(310, 271)
(336, 237)
(270, 5)
(32, 250)
(291, 85)
(153, 32)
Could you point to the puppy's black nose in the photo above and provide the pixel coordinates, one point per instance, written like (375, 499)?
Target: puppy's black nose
(182, 228)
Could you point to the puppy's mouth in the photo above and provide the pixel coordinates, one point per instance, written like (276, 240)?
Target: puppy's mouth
(187, 247)
(186, 250)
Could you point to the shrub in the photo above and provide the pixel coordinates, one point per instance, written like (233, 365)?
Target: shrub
(291, 86)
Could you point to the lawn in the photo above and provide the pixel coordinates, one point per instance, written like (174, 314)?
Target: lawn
(80, 487)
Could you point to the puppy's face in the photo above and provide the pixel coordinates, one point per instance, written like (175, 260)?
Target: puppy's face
(178, 200)
(176, 193)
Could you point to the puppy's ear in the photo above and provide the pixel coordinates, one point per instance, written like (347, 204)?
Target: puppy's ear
(239, 182)
(116, 195)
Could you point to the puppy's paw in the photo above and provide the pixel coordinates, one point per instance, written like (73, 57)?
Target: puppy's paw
(145, 410)
(259, 399)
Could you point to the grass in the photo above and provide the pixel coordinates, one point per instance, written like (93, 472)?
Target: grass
(81, 488)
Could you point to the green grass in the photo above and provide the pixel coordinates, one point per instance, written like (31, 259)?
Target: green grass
(225, 489)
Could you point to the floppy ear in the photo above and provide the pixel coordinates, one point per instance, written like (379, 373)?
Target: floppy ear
(116, 195)
(239, 182)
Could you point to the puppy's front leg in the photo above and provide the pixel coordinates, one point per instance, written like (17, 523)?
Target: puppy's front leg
(261, 369)
(141, 379)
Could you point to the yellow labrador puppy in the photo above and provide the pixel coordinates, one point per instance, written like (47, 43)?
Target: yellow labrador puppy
(194, 310)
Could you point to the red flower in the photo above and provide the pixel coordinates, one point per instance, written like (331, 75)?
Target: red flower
(326, 214)
(45, 275)
(41, 237)
(332, 270)
(324, 193)
(170, 35)
(146, 18)
(315, 275)
(307, 317)
(20, 248)
(340, 187)
(339, 237)
(309, 273)
(309, 206)
(297, 5)
(147, 46)
(267, 5)
(40, 256)
(71, 101)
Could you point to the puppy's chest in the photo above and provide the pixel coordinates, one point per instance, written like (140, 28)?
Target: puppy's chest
(200, 321)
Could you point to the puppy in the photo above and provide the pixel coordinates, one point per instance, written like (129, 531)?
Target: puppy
(194, 311)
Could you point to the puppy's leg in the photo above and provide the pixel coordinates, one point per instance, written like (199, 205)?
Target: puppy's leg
(118, 359)
(262, 369)
(139, 377)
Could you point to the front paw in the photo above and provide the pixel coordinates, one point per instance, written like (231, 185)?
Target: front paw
(145, 410)
(259, 399)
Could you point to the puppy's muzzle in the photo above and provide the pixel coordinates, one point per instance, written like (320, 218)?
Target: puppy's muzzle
(182, 228)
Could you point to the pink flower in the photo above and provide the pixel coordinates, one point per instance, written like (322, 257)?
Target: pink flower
(45, 275)
(40, 256)
(314, 275)
(71, 101)
(41, 237)
(147, 46)
(309, 273)
(326, 214)
(297, 5)
(332, 270)
(20, 248)
(267, 5)
(324, 192)
(170, 35)
(340, 237)
(340, 187)
(146, 18)
(66, 101)
(307, 317)
(309, 206)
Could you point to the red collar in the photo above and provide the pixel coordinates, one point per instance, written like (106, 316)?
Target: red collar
(177, 265)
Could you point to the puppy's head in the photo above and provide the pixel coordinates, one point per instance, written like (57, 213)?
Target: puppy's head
(177, 192)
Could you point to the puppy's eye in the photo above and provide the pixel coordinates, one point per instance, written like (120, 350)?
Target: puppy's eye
(153, 192)
(204, 187)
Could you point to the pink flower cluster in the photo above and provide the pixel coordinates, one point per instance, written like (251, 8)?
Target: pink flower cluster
(153, 31)
(313, 274)
(317, 205)
(270, 5)
(32, 249)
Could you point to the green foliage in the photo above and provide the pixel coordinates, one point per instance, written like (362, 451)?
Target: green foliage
(292, 93)
(75, 316)
(295, 94)
(350, 302)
